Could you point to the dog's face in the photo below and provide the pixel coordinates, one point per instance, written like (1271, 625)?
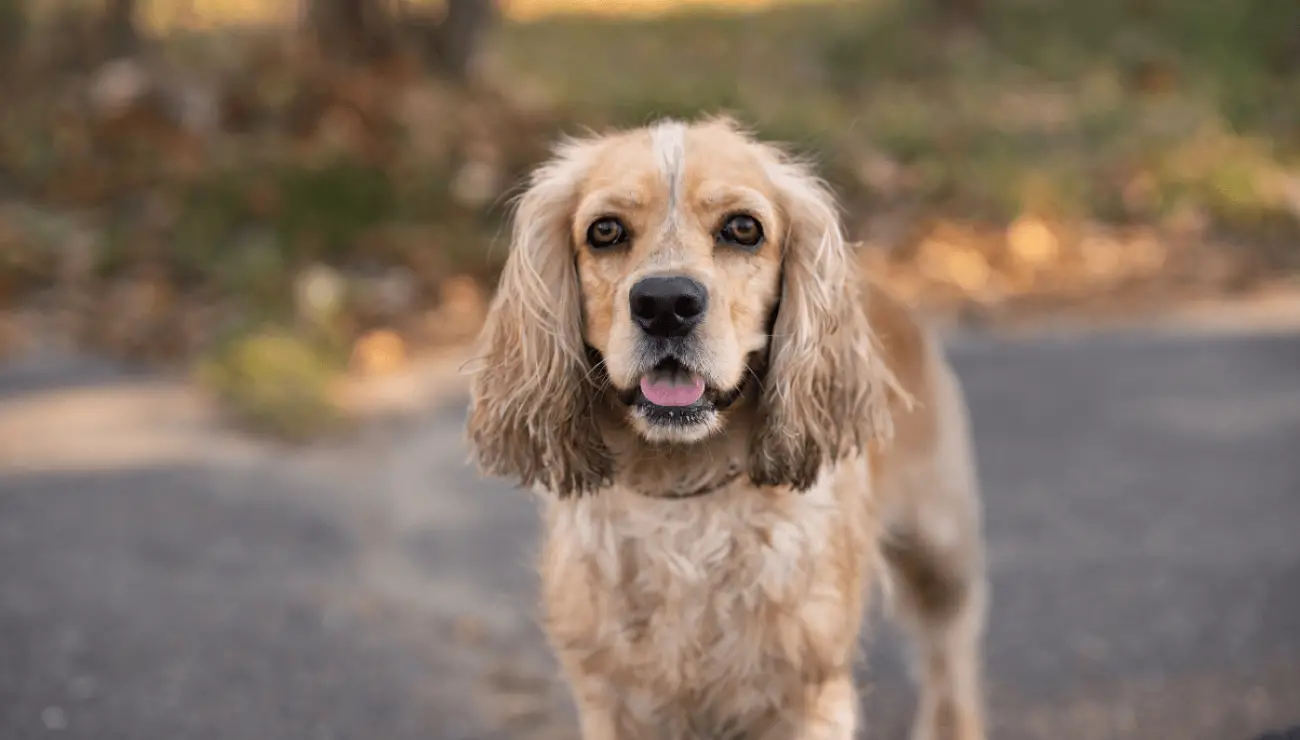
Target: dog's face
(659, 275)
(677, 240)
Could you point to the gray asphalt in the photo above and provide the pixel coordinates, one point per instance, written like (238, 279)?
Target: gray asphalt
(1143, 505)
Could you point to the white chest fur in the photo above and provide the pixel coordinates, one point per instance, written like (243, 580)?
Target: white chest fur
(699, 607)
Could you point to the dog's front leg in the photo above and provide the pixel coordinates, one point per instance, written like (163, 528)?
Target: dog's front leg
(828, 710)
(598, 712)
(598, 722)
(832, 710)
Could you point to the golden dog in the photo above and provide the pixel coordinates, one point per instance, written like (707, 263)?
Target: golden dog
(734, 435)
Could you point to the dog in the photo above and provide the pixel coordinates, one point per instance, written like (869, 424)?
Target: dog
(735, 435)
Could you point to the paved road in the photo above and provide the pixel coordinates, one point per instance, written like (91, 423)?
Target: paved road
(159, 579)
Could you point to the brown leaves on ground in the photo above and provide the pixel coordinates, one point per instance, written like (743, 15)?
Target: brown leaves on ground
(261, 181)
(456, 320)
(1036, 264)
(255, 181)
(11, 336)
(378, 352)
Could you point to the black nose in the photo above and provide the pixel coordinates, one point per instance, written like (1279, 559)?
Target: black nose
(668, 306)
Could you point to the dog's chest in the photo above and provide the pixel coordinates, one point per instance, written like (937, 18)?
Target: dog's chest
(708, 602)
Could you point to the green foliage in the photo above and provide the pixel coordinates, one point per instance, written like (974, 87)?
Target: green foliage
(318, 212)
(324, 210)
(276, 381)
(1048, 100)
(13, 23)
(1120, 111)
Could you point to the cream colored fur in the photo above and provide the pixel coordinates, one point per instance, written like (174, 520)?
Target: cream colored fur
(846, 462)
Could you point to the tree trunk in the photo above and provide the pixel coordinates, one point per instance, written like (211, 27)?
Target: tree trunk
(364, 31)
(351, 30)
(960, 12)
(13, 24)
(460, 34)
(448, 42)
(121, 35)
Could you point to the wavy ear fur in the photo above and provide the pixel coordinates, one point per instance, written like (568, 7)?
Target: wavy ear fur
(824, 394)
(531, 411)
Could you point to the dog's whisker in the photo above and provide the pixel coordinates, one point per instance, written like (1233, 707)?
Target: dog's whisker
(597, 367)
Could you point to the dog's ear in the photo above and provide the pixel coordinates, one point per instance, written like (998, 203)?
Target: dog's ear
(531, 412)
(824, 395)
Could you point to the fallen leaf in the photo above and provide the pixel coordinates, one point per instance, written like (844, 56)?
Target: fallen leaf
(378, 352)
(1103, 257)
(1032, 241)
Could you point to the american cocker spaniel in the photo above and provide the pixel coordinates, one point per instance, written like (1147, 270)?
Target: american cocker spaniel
(734, 435)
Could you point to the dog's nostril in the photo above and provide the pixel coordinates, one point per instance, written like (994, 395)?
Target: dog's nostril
(687, 306)
(667, 306)
(644, 306)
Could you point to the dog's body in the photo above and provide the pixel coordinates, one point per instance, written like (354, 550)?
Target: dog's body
(756, 434)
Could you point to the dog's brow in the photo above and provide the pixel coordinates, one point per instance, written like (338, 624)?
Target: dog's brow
(668, 140)
(732, 197)
(615, 200)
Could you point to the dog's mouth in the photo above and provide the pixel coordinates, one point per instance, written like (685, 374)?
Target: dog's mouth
(672, 394)
(671, 385)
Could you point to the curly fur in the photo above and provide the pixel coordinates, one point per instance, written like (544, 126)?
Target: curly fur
(824, 398)
(532, 413)
(713, 582)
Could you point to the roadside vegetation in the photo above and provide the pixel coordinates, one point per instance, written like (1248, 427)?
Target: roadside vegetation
(278, 206)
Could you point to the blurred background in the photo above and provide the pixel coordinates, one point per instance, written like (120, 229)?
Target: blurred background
(177, 174)
(243, 244)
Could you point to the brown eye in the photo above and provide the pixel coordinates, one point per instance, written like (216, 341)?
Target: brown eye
(606, 232)
(742, 230)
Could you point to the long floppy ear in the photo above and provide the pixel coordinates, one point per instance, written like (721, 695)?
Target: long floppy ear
(824, 396)
(531, 410)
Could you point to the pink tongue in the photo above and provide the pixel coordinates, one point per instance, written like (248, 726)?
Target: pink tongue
(673, 392)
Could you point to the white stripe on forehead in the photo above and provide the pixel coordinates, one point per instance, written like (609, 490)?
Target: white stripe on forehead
(668, 141)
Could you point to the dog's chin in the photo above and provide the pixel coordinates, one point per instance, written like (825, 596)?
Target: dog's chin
(675, 424)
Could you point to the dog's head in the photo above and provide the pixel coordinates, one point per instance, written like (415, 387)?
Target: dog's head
(664, 277)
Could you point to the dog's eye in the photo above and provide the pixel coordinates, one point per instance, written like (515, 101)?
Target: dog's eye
(742, 230)
(606, 232)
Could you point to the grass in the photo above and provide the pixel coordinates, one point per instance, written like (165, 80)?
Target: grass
(276, 381)
(1049, 103)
